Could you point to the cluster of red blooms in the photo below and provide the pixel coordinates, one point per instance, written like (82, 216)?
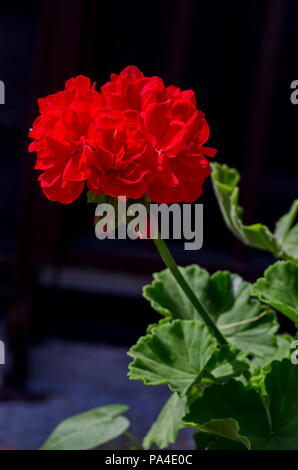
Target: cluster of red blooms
(134, 137)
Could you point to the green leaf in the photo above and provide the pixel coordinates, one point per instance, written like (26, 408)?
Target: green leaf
(287, 234)
(205, 441)
(225, 363)
(245, 323)
(166, 296)
(177, 354)
(284, 224)
(231, 401)
(225, 428)
(225, 182)
(174, 354)
(282, 244)
(282, 388)
(291, 243)
(165, 430)
(283, 350)
(279, 288)
(89, 429)
(270, 424)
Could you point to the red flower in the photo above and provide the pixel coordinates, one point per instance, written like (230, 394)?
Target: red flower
(62, 143)
(136, 137)
(173, 128)
(123, 163)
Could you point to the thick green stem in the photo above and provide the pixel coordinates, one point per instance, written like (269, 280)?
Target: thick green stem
(171, 264)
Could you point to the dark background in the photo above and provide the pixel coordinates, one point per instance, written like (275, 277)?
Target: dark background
(240, 57)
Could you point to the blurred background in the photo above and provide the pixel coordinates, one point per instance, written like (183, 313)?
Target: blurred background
(71, 305)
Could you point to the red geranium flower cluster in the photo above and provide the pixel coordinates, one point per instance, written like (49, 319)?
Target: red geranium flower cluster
(134, 137)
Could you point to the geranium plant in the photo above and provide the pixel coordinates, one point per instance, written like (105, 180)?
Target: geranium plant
(232, 375)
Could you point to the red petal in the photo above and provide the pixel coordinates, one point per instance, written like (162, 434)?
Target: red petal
(156, 120)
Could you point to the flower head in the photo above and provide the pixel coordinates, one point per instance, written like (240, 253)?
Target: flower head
(135, 137)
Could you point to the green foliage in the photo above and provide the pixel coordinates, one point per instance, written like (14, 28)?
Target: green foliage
(286, 233)
(282, 244)
(165, 429)
(282, 350)
(279, 288)
(89, 429)
(205, 441)
(222, 428)
(268, 423)
(245, 323)
(239, 396)
(179, 354)
(242, 412)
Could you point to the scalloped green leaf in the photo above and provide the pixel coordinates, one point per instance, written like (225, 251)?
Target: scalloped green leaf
(89, 429)
(270, 424)
(279, 288)
(178, 354)
(245, 323)
(225, 183)
(165, 429)
(283, 243)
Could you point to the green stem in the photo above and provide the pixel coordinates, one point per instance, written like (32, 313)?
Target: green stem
(133, 439)
(171, 264)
